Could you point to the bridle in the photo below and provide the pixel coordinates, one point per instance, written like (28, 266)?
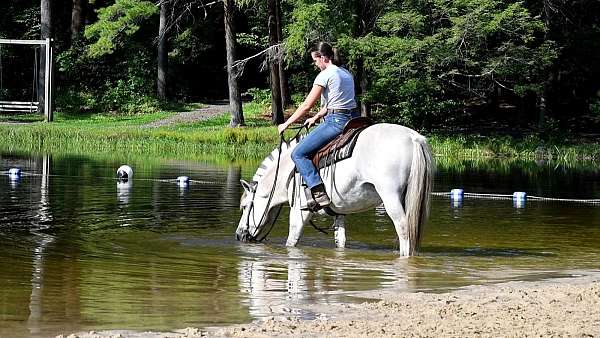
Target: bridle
(252, 236)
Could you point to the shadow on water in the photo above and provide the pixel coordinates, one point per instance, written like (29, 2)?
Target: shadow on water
(82, 251)
(488, 252)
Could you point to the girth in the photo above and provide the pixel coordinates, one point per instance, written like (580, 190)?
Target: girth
(342, 146)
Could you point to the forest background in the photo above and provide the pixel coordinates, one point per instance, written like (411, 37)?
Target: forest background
(439, 66)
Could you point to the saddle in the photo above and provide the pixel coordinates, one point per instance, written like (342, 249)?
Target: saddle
(341, 147)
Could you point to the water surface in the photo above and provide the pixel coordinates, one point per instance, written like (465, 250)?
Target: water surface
(80, 251)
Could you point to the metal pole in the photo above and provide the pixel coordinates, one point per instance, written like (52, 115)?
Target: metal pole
(47, 112)
(22, 42)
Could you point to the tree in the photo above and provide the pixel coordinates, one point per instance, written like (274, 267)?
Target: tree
(283, 82)
(77, 18)
(163, 56)
(430, 61)
(367, 14)
(276, 106)
(235, 97)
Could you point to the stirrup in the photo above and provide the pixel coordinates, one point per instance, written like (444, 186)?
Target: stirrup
(311, 204)
(315, 204)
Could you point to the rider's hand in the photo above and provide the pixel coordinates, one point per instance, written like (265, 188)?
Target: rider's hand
(282, 127)
(311, 121)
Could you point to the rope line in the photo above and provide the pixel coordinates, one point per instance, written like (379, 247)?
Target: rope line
(442, 194)
(528, 197)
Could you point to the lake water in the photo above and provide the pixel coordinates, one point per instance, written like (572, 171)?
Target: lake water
(80, 251)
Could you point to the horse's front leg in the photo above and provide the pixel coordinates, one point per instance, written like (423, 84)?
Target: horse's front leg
(298, 219)
(339, 231)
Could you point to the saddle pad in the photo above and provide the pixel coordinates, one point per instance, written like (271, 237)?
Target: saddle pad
(341, 147)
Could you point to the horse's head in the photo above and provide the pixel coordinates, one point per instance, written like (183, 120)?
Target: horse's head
(257, 217)
(247, 206)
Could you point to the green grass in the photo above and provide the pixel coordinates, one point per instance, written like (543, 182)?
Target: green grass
(21, 118)
(526, 148)
(212, 139)
(105, 134)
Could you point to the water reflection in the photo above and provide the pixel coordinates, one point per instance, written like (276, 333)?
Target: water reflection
(260, 279)
(123, 191)
(37, 283)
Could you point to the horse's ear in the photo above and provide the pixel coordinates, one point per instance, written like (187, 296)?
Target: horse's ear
(249, 187)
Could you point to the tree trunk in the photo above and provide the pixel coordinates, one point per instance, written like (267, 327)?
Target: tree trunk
(363, 85)
(163, 57)
(77, 18)
(235, 97)
(45, 32)
(286, 99)
(364, 14)
(276, 107)
(543, 96)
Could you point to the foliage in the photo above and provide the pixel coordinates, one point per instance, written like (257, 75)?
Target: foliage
(262, 97)
(116, 22)
(595, 108)
(430, 64)
(426, 62)
(125, 87)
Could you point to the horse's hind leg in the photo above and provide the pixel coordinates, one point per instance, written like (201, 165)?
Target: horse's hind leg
(340, 231)
(392, 201)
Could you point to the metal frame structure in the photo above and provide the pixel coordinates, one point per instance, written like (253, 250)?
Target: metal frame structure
(18, 106)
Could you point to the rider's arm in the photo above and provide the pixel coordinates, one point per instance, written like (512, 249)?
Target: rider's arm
(322, 112)
(309, 102)
(313, 120)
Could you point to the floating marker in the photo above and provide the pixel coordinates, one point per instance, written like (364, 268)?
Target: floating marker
(14, 173)
(519, 199)
(183, 181)
(456, 194)
(124, 173)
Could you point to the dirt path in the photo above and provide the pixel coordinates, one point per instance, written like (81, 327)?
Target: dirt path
(209, 111)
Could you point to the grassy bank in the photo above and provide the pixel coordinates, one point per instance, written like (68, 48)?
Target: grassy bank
(105, 134)
(211, 139)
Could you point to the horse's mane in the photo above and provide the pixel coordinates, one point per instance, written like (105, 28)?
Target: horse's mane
(270, 162)
(267, 168)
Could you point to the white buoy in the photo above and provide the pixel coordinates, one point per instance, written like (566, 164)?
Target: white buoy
(124, 173)
(14, 173)
(456, 194)
(183, 181)
(519, 198)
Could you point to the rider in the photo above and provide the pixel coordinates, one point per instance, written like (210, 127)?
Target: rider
(335, 86)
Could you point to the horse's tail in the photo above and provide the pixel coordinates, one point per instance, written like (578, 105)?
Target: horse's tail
(418, 190)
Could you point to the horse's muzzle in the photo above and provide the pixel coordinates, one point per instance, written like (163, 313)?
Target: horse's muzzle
(243, 237)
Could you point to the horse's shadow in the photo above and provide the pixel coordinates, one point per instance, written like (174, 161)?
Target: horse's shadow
(487, 252)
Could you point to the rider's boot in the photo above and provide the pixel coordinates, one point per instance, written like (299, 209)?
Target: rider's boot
(320, 195)
(319, 198)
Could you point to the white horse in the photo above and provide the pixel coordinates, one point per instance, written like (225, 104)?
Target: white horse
(390, 164)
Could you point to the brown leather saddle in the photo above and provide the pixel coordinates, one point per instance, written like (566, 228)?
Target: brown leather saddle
(341, 147)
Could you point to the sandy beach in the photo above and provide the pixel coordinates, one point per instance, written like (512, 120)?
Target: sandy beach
(565, 307)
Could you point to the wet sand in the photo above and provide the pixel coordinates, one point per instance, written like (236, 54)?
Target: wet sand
(566, 307)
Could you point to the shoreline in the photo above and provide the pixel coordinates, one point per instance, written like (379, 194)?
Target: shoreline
(558, 307)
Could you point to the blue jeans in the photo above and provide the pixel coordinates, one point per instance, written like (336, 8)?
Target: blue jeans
(332, 126)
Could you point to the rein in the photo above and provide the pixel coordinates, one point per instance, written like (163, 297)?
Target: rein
(267, 208)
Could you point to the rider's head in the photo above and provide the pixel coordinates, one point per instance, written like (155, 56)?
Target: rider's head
(323, 55)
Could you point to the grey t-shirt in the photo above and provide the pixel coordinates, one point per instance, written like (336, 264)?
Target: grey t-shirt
(338, 86)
